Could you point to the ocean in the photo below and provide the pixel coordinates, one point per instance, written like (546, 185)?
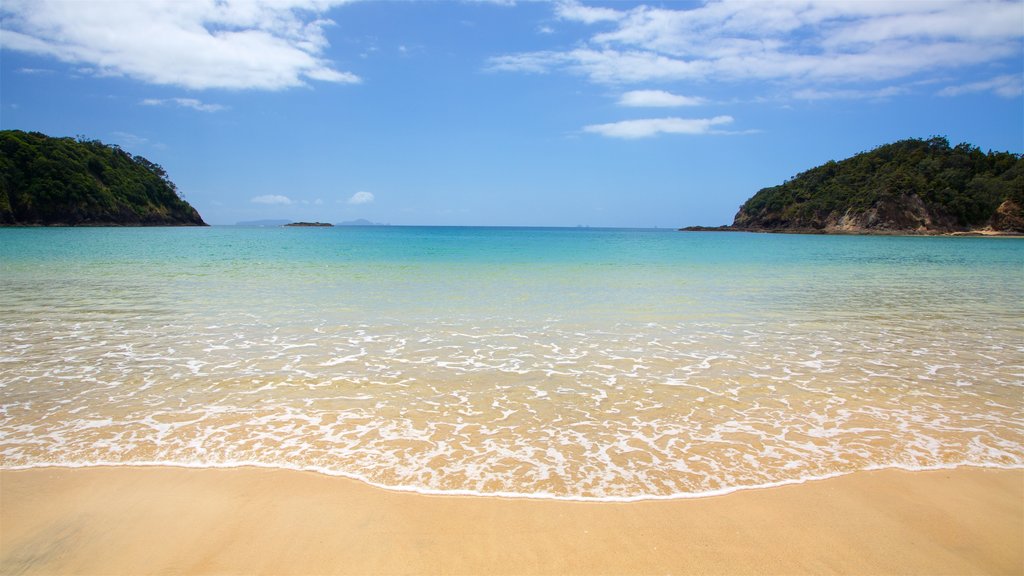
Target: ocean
(582, 364)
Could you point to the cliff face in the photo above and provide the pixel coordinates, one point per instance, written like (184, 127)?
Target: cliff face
(65, 182)
(909, 187)
(1009, 217)
(905, 213)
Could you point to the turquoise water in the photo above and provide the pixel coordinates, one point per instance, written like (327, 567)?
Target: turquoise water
(568, 363)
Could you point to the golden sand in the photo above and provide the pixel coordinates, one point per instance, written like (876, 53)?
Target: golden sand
(254, 521)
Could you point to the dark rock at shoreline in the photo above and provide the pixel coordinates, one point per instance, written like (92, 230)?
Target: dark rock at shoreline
(708, 229)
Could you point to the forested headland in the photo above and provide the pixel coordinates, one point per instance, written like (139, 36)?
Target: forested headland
(912, 186)
(46, 181)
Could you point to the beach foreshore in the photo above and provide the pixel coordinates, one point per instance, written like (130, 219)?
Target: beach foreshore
(147, 520)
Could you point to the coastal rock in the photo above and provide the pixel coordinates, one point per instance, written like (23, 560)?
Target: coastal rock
(906, 212)
(1009, 217)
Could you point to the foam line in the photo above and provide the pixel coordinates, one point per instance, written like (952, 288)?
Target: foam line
(505, 494)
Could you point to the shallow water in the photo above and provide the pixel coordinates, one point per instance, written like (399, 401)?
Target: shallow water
(569, 363)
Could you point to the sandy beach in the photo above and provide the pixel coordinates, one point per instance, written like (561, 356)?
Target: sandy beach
(259, 521)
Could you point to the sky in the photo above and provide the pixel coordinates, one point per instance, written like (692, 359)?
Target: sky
(619, 114)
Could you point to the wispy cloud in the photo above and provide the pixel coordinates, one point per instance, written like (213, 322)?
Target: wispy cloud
(361, 198)
(271, 199)
(849, 94)
(198, 44)
(813, 43)
(603, 65)
(507, 3)
(184, 103)
(129, 139)
(571, 10)
(1007, 86)
(645, 128)
(657, 99)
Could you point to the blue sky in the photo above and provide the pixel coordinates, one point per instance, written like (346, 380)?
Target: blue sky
(504, 113)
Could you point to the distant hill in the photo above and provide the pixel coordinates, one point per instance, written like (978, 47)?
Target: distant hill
(359, 222)
(263, 223)
(66, 182)
(911, 186)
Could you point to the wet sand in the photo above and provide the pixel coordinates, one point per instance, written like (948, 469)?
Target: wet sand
(254, 521)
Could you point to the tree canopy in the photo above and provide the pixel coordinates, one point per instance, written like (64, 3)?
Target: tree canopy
(66, 181)
(960, 188)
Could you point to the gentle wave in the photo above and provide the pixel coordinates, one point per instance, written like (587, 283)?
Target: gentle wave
(619, 366)
(635, 411)
(511, 495)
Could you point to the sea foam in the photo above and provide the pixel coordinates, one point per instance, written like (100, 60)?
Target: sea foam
(609, 380)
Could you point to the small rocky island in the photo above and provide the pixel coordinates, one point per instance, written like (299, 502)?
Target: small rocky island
(46, 181)
(912, 186)
(310, 224)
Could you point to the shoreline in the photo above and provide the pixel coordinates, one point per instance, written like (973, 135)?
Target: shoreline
(123, 520)
(980, 233)
(467, 493)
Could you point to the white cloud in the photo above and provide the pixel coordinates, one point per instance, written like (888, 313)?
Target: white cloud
(184, 103)
(603, 66)
(196, 44)
(271, 199)
(815, 94)
(506, 3)
(571, 10)
(807, 43)
(1007, 86)
(657, 99)
(531, 62)
(633, 129)
(361, 198)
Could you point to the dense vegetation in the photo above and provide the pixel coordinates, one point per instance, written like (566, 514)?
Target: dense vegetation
(63, 181)
(911, 185)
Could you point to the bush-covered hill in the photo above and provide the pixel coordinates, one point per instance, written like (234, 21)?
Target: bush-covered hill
(910, 186)
(63, 181)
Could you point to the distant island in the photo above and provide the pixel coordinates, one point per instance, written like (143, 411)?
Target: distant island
(275, 223)
(310, 224)
(46, 181)
(907, 187)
